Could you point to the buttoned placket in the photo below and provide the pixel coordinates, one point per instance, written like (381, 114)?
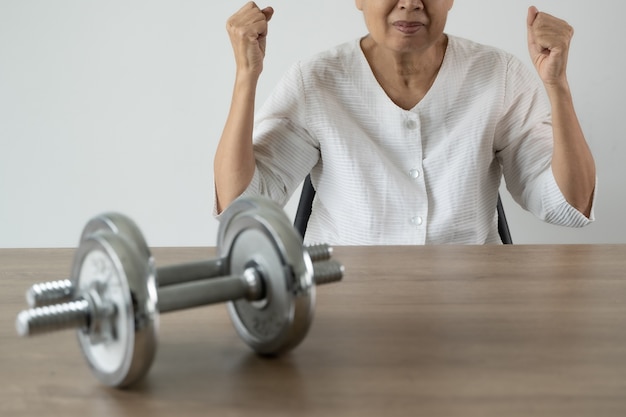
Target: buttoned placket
(418, 213)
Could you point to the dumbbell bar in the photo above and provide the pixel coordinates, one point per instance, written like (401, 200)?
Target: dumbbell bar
(62, 291)
(116, 301)
(185, 294)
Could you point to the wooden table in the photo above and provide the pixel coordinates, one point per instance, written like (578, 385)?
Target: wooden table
(411, 331)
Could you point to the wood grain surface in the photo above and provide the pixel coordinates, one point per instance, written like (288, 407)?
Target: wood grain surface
(410, 331)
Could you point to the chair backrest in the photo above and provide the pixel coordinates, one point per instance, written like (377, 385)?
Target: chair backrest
(304, 206)
(308, 193)
(503, 225)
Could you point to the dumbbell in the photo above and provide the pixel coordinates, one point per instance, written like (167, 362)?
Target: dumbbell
(117, 292)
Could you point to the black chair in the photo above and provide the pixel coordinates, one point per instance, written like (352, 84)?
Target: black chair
(503, 225)
(308, 193)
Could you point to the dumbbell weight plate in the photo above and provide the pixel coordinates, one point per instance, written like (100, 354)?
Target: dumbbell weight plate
(111, 265)
(251, 204)
(256, 232)
(122, 225)
(115, 223)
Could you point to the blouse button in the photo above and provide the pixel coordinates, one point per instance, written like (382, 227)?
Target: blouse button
(417, 220)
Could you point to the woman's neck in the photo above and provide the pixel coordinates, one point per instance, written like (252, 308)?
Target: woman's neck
(406, 77)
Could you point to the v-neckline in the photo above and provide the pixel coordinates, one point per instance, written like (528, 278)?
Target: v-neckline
(434, 86)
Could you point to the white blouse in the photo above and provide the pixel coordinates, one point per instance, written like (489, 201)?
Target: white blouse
(429, 175)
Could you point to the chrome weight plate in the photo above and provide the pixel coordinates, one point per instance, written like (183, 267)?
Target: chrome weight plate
(64, 290)
(249, 205)
(119, 224)
(118, 281)
(124, 226)
(256, 232)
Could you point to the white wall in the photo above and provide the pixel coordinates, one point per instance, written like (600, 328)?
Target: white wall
(118, 105)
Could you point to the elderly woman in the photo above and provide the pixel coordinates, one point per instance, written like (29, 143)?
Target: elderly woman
(407, 131)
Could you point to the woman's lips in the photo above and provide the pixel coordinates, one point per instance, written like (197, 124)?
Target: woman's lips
(408, 27)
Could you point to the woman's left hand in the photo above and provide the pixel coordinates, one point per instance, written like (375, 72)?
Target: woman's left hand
(548, 43)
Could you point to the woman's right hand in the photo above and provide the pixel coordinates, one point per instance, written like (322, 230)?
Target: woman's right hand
(247, 30)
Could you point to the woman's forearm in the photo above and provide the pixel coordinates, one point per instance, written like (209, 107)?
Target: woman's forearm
(573, 165)
(234, 162)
